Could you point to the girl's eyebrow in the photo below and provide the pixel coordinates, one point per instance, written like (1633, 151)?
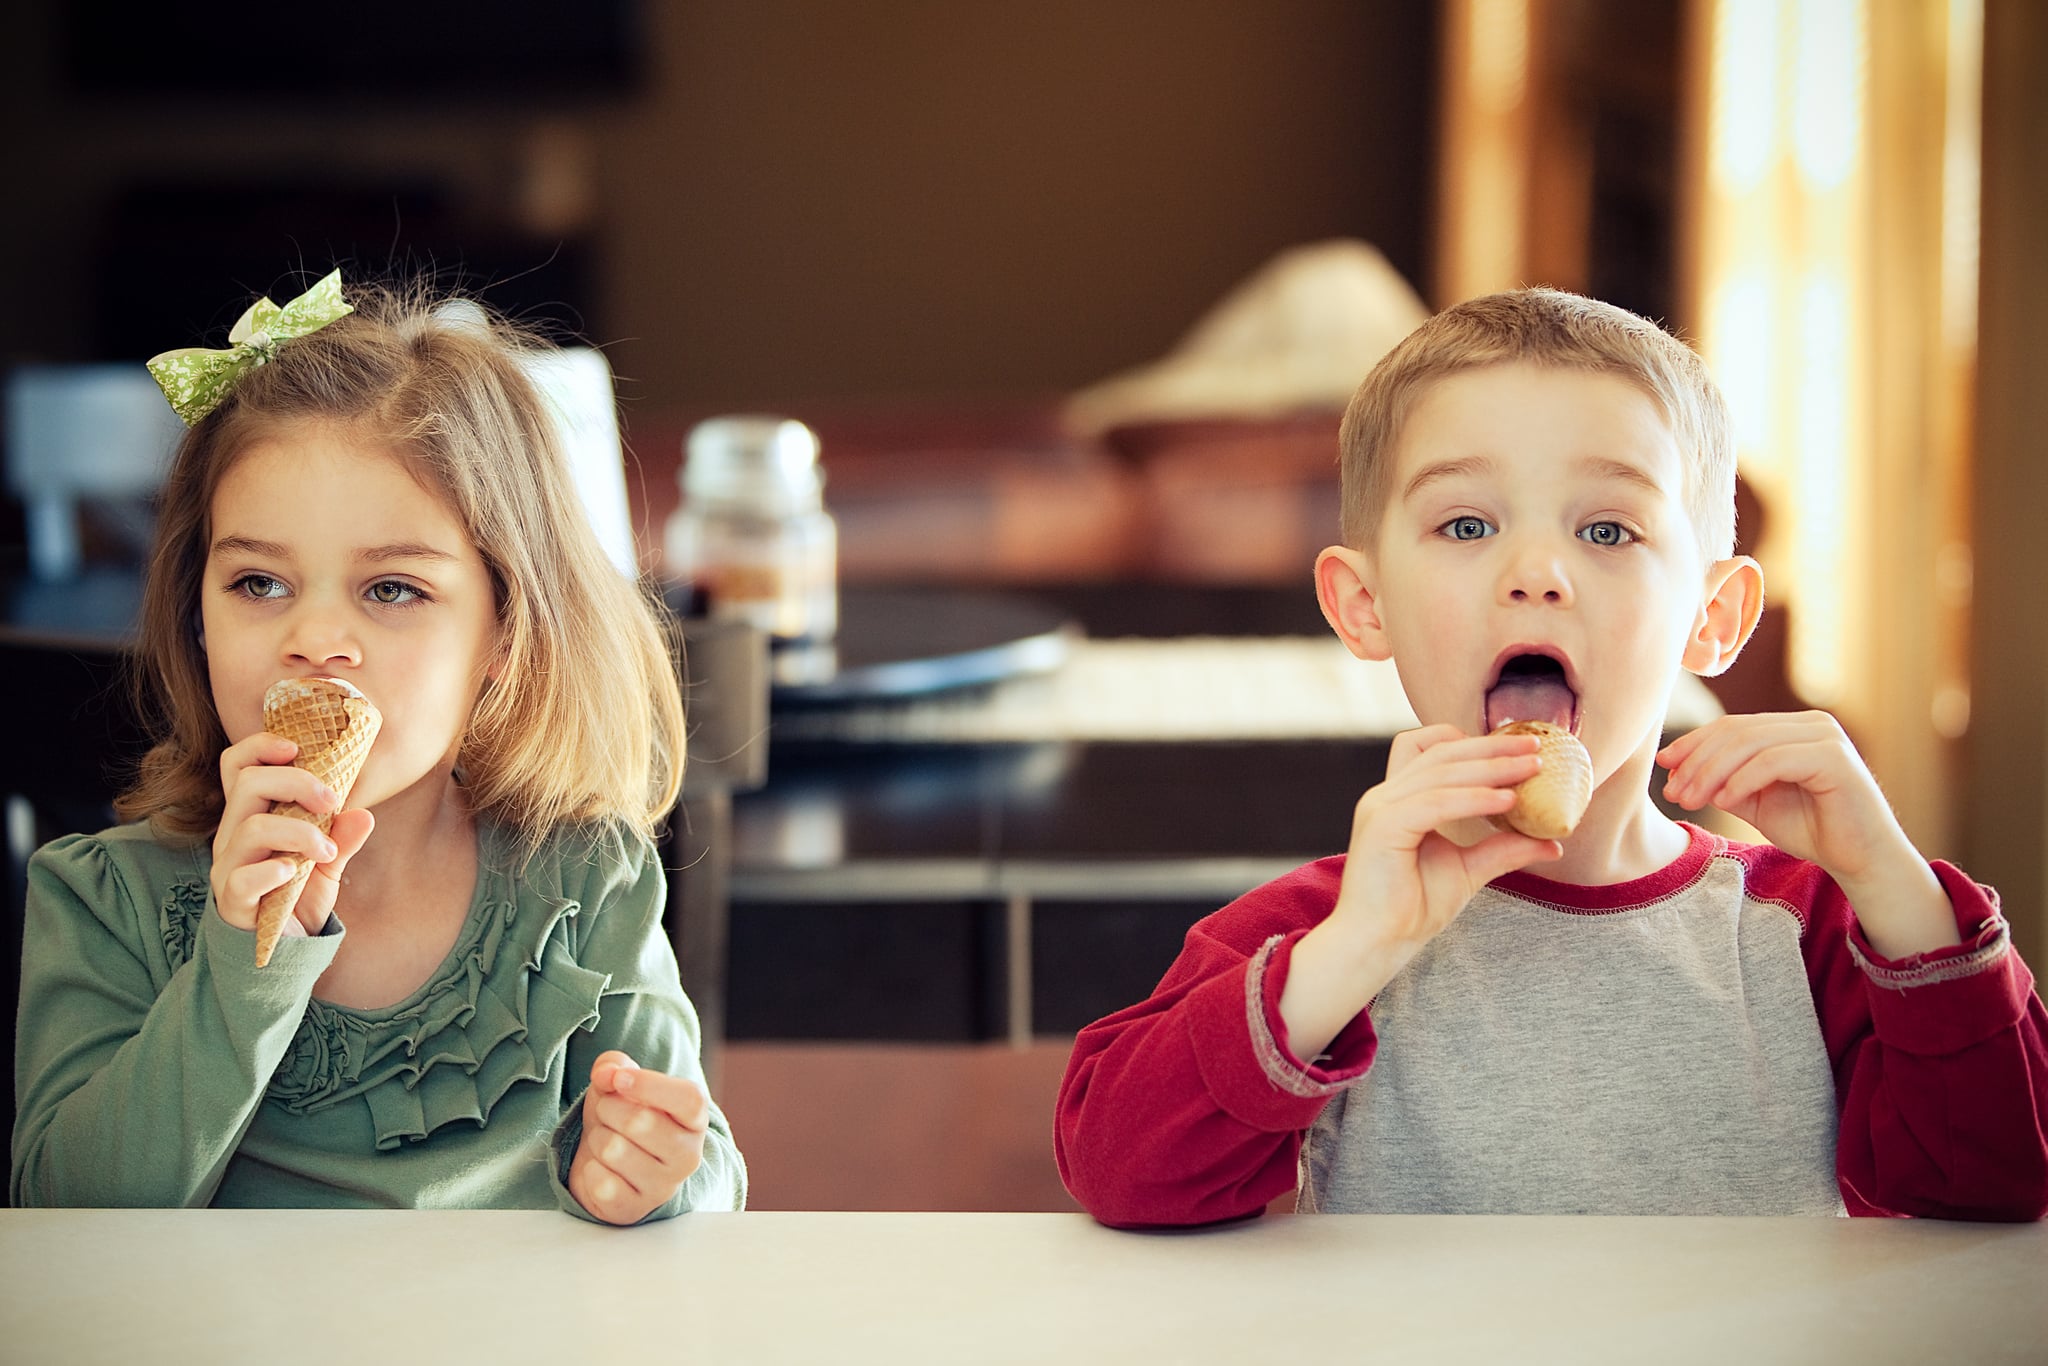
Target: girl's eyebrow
(402, 550)
(375, 554)
(249, 545)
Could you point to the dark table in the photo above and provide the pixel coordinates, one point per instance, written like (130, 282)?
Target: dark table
(949, 891)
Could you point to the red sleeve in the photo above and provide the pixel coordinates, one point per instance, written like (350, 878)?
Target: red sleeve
(1940, 1061)
(1187, 1108)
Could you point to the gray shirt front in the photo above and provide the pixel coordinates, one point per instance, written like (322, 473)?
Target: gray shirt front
(1660, 1057)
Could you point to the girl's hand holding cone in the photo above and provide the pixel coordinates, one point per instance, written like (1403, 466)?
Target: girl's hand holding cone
(283, 839)
(256, 849)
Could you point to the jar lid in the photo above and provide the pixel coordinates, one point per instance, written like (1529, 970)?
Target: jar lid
(766, 465)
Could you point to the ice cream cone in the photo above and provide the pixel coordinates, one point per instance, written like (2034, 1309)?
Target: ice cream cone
(334, 726)
(1549, 805)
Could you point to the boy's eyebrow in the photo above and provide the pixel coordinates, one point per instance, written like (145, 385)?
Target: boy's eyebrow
(1601, 467)
(1446, 469)
(1597, 466)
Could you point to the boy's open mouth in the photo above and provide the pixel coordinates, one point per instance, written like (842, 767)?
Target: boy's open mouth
(1532, 687)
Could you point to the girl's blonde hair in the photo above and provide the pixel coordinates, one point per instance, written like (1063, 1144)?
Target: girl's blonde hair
(585, 721)
(1543, 327)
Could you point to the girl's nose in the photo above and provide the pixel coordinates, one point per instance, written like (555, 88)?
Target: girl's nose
(1535, 573)
(322, 634)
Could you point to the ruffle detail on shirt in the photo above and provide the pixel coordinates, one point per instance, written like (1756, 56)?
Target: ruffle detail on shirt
(184, 906)
(461, 1042)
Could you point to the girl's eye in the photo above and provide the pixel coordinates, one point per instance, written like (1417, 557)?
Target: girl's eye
(1607, 533)
(1467, 528)
(395, 593)
(258, 586)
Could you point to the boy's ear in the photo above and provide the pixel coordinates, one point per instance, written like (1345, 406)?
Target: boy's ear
(1344, 581)
(1734, 601)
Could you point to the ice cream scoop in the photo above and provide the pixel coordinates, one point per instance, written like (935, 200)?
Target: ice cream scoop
(334, 726)
(1549, 805)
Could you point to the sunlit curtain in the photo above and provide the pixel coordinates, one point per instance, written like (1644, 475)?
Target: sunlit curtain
(1833, 255)
(1488, 112)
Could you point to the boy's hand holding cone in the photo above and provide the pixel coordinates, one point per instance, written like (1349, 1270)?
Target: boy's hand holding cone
(1549, 805)
(333, 725)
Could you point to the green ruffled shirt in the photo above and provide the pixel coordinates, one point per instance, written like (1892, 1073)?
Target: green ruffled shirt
(157, 1066)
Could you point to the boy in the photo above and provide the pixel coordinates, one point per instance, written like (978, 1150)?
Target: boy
(1539, 524)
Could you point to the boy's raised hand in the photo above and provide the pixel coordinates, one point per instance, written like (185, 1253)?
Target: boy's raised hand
(1404, 880)
(1798, 779)
(643, 1136)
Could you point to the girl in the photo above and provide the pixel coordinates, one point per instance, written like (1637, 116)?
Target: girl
(478, 1006)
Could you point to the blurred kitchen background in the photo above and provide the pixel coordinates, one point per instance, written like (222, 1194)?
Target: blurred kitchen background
(933, 228)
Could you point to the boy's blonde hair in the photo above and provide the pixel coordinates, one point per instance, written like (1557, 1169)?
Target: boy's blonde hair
(585, 720)
(1541, 327)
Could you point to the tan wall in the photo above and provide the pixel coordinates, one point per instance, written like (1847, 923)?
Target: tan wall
(821, 199)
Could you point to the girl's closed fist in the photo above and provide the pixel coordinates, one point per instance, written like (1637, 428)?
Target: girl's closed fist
(643, 1137)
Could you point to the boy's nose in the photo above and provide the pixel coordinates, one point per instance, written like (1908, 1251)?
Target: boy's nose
(1535, 575)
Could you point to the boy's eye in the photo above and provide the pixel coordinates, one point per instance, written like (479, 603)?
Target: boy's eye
(394, 592)
(1607, 533)
(258, 586)
(1467, 528)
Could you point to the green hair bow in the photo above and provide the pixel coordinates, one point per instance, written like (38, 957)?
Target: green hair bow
(196, 379)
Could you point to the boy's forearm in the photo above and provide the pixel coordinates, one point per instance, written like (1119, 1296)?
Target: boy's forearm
(1903, 909)
(1945, 1095)
(1332, 975)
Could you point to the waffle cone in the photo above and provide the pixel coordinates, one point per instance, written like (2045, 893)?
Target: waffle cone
(334, 726)
(1549, 805)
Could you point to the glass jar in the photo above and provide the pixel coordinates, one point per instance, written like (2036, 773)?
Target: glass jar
(752, 538)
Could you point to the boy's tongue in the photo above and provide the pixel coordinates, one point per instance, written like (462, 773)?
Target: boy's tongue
(1529, 697)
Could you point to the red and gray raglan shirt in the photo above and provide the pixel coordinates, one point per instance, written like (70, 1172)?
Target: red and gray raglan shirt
(1716, 1038)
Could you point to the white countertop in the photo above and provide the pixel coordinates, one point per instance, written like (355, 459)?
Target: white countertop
(316, 1286)
(1183, 689)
